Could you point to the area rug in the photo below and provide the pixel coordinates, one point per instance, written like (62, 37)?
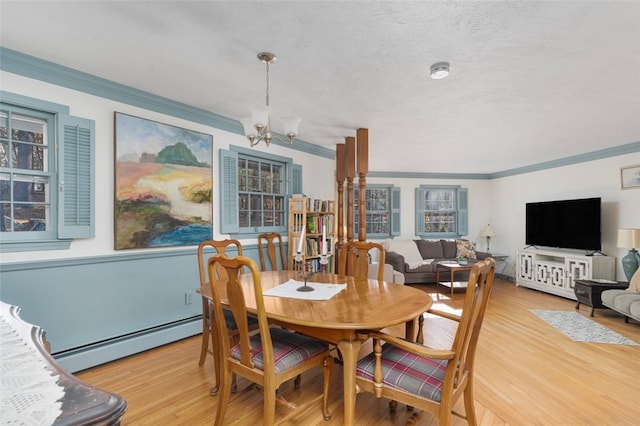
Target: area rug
(581, 329)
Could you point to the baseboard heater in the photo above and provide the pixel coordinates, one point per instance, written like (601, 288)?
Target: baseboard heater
(96, 353)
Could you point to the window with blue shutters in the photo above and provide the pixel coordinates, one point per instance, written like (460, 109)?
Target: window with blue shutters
(441, 211)
(46, 175)
(382, 210)
(255, 189)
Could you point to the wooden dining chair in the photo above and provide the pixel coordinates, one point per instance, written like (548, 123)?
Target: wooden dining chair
(273, 241)
(267, 358)
(353, 259)
(426, 378)
(208, 330)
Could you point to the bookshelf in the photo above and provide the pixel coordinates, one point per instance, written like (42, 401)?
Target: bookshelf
(311, 214)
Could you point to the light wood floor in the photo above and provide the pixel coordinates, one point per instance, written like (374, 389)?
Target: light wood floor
(527, 373)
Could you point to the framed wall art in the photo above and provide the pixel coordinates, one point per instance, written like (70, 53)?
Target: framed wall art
(630, 177)
(163, 184)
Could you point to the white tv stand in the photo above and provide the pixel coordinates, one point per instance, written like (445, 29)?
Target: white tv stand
(556, 271)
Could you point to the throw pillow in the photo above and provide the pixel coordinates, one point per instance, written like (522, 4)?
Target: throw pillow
(634, 284)
(466, 249)
(408, 249)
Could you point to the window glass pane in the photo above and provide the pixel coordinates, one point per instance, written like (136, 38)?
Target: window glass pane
(277, 179)
(266, 180)
(243, 219)
(30, 188)
(242, 174)
(28, 128)
(253, 171)
(4, 154)
(5, 187)
(256, 219)
(5, 211)
(28, 157)
(4, 131)
(30, 217)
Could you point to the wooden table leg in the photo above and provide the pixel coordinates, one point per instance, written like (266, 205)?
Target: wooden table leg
(452, 277)
(349, 351)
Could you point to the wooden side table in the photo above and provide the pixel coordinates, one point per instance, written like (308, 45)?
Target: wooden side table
(589, 291)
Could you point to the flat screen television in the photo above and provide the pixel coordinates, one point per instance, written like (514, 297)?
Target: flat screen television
(571, 224)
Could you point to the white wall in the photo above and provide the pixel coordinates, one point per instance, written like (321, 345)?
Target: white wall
(500, 202)
(318, 180)
(598, 178)
(479, 207)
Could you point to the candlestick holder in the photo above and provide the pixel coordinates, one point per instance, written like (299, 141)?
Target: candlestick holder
(324, 261)
(303, 270)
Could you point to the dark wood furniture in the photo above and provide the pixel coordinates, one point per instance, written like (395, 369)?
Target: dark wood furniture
(589, 291)
(452, 267)
(82, 404)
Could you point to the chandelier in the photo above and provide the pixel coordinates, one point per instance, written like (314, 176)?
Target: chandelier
(257, 128)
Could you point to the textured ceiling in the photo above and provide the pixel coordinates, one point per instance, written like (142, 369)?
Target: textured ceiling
(531, 81)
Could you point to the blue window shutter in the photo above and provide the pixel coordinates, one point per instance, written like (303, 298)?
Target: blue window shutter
(395, 211)
(296, 179)
(228, 192)
(463, 212)
(76, 184)
(420, 194)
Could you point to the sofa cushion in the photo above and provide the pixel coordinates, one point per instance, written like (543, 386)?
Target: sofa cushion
(430, 249)
(449, 249)
(408, 249)
(634, 284)
(634, 310)
(623, 300)
(466, 249)
(608, 296)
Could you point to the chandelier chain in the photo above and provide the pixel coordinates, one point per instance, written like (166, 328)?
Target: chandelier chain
(267, 95)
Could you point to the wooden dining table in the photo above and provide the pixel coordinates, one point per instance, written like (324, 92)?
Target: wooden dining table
(364, 304)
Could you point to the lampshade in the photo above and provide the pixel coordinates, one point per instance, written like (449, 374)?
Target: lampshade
(290, 125)
(260, 116)
(487, 231)
(247, 124)
(629, 238)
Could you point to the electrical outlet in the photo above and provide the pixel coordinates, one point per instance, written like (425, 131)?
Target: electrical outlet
(187, 298)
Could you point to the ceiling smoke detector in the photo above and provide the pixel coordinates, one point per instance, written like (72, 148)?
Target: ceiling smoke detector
(439, 70)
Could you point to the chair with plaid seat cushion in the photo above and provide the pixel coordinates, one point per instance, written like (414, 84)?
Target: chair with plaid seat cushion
(432, 379)
(208, 329)
(267, 358)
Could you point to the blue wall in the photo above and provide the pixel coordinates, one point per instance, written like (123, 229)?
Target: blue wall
(98, 309)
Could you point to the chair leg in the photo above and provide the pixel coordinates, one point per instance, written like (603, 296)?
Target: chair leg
(215, 351)
(327, 373)
(223, 397)
(269, 408)
(469, 407)
(205, 332)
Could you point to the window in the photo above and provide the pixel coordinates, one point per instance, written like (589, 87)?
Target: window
(382, 210)
(255, 188)
(46, 175)
(441, 211)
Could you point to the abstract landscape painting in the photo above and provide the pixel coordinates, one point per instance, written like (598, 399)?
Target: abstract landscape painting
(163, 184)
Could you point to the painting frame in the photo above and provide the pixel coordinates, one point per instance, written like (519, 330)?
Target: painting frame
(163, 184)
(630, 177)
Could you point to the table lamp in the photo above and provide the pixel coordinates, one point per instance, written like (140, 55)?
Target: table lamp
(629, 238)
(488, 232)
